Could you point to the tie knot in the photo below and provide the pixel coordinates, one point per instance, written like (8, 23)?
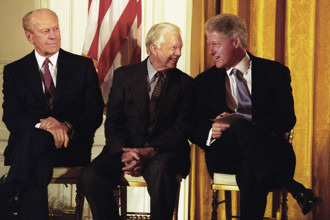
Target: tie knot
(237, 73)
(159, 75)
(234, 71)
(46, 62)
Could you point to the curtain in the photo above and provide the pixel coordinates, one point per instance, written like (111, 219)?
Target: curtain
(200, 181)
(295, 33)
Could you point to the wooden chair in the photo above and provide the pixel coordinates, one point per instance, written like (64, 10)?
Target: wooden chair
(69, 175)
(121, 194)
(227, 183)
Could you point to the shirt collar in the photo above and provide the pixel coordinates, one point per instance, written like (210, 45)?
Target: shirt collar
(41, 59)
(242, 66)
(151, 70)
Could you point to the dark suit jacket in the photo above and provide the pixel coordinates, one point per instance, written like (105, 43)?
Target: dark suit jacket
(127, 114)
(78, 100)
(272, 101)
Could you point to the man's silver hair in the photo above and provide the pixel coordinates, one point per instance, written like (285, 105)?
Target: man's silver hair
(156, 34)
(28, 18)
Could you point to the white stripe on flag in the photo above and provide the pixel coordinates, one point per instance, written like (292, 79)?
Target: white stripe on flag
(91, 28)
(109, 22)
(125, 38)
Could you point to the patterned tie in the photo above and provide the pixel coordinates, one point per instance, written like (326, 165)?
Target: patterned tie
(49, 84)
(244, 103)
(154, 100)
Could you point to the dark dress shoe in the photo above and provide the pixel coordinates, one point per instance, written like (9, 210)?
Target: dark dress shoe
(307, 200)
(7, 208)
(8, 204)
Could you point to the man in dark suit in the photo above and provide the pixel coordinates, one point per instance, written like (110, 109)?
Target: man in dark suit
(251, 100)
(145, 129)
(52, 107)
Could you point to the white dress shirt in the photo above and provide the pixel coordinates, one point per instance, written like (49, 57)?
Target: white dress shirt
(244, 66)
(52, 69)
(52, 66)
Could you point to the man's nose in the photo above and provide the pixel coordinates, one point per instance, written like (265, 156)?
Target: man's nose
(211, 50)
(177, 52)
(52, 34)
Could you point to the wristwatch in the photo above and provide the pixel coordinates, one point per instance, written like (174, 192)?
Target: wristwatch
(70, 129)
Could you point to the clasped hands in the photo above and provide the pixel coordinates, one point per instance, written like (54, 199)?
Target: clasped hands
(59, 130)
(218, 128)
(135, 158)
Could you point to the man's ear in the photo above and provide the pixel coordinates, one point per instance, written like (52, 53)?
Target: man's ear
(153, 49)
(29, 36)
(236, 41)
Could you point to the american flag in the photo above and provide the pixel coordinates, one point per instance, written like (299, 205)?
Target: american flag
(113, 37)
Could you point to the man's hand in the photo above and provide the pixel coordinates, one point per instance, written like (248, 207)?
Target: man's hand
(50, 122)
(218, 127)
(134, 159)
(145, 154)
(133, 165)
(58, 129)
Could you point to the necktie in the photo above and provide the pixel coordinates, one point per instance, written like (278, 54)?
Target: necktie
(154, 100)
(49, 84)
(244, 103)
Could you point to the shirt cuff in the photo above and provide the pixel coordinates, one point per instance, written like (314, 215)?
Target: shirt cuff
(37, 125)
(209, 140)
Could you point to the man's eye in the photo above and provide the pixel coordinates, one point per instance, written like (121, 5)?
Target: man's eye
(214, 45)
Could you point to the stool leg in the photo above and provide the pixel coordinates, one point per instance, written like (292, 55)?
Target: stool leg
(284, 206)
(228, 205)
(176, 208)
(123, 202)
(276, 206)
(215, 205)
(79, 203)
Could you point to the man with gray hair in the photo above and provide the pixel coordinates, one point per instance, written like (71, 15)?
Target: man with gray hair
(52, 107)
(145, 129)
(243, 108)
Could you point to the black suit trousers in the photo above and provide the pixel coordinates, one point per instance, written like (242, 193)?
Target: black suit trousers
(260, 159)
(105, 172)
(30, 172)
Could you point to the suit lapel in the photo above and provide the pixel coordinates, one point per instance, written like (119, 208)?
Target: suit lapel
(63, 75)
(139, 89)
(33, 78)
(258, 84)
(217, 85)
(169, 94)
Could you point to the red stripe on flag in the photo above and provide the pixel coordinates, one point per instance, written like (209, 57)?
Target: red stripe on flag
(103, 8)
(139, 14)
(117, 39)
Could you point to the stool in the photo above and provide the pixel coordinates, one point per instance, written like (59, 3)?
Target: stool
(227, 183)
(131, 181)
(69, 175)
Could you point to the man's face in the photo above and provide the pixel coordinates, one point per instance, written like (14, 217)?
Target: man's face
(222, 49)
(167, 56)
(45, 33)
